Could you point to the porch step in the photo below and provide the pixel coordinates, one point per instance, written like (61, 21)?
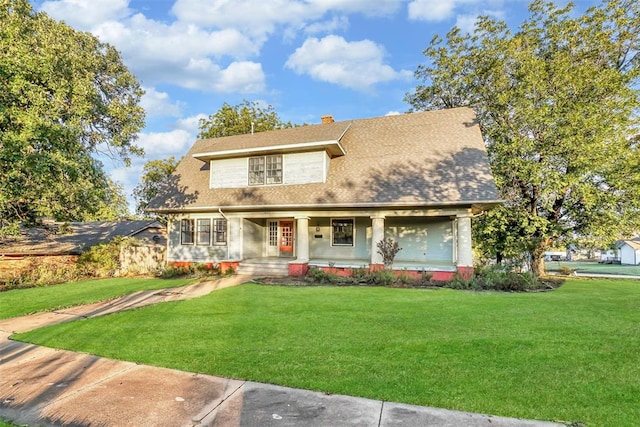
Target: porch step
(264, 269)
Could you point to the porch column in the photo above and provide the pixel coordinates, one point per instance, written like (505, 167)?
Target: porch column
(377, 234)
(465, 255)
(300, 265)
(302, 244)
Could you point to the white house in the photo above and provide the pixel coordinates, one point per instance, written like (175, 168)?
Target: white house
(326, 194)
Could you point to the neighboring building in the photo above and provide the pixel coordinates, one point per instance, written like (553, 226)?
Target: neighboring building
(629, 251)
(73, 238)
(325, 195)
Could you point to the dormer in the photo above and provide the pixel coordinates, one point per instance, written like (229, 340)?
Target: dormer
(299, 156)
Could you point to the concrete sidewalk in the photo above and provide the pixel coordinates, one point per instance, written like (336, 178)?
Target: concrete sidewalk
(40, 386)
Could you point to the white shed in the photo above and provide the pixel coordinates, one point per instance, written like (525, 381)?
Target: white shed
(629, 251)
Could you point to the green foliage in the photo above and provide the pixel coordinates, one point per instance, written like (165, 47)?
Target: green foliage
(102, 260)
(557, 102)
(238, 119)
(388, 248)
(64, 97)
(499, 278)
(154, 180)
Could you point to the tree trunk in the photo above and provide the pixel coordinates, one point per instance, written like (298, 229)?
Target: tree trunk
(537, 261)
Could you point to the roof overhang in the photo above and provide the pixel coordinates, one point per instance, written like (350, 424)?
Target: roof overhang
(333, 149)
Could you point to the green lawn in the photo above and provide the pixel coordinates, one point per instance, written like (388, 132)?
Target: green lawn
(594, 267)
(571, 355)
(25, 301)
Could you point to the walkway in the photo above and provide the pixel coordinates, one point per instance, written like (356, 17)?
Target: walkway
(40, 386)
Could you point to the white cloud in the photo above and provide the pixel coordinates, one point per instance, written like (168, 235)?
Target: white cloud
(336, 23)
(158, 145)
(191, 124)
(158, 104)
(260, 18)
(465, 11)
(357, 65)
(393, 113)
(85, 14)
(431, 10)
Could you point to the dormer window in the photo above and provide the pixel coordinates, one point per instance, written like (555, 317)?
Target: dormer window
(265, 170)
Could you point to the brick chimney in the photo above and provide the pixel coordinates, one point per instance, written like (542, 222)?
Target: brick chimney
(327, 119)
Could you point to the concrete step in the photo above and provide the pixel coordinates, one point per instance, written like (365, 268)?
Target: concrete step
(275, 269)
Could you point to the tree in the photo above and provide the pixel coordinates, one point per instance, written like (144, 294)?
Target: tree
(241, 119)
(65, 97)
(557, 105)
(155, 176)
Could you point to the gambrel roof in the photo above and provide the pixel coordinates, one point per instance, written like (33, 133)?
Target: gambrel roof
(425, 159)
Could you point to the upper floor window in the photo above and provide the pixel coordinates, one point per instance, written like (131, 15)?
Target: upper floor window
(264, 170)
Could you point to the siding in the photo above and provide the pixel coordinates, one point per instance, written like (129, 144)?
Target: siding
(421, 240)
(304, 168)
(192, 253)
(320, 247)
(298, 168)
(229, 173)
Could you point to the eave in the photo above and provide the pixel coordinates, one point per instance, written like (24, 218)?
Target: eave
(333, 149)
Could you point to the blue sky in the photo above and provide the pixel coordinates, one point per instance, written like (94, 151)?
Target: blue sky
(307, 58)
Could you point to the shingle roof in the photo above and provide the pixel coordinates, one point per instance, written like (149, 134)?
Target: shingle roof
(81, 235)
(417, 159)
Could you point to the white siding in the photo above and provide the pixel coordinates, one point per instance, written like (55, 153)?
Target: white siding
(298, 168)
(304, 168)
(229, 173)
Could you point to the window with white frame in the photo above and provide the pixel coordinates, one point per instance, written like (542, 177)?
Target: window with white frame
(203, 232)
(186, 231)
(220, 232)
(342, 231)
(265, 170)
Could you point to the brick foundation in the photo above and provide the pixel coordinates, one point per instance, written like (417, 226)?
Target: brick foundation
(465, 272)
(298, 270)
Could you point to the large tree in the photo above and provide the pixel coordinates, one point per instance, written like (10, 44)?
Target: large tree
(557, 104)
(65, 98)
(246, 117)
(156, 175)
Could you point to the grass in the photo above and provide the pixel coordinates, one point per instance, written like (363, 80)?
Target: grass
(19, 302)
(594, 267)
(572, 354)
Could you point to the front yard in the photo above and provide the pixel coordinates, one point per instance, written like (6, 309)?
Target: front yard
(572, 354)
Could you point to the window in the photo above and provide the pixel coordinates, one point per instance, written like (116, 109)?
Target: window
(186, 232)
(265, 170)
(274, 169)
(204, 232)
(220, 232)
(256, 170)
(342, 232)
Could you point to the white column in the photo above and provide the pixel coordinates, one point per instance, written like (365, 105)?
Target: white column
(377, 234)
(302, 244)
(465, 254)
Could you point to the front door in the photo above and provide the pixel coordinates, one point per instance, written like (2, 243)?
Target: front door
(286, 238)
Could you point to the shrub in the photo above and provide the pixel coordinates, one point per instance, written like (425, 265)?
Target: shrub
(388, 248)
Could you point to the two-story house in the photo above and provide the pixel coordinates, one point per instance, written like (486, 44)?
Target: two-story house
(325, 195)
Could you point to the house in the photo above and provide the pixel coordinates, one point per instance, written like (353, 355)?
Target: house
(629, 251)
(63, 242)
(324, 195)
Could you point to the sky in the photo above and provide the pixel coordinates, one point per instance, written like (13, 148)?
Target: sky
(306, 58)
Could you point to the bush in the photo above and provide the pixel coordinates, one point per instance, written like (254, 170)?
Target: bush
(499, 278)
